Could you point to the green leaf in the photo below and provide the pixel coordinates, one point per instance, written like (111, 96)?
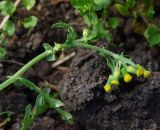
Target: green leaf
(47, 47)
(71, 36)
(28, 118)
(28, 84)
(122, 9)
(103, 3)
(101, 32)
(52, 102)
(7, 7)
(30, 22)
(2, 53)
(40, 105)
(113, 22)
(52, 56)
(130, 3)
(9, 28)
(28, 4)
(152, 34)
(82, 6)
(65, 115)
(150, 12)
(62, 25)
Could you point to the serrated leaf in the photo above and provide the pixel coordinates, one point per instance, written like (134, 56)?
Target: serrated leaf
(7, 7)
(9, 28)
(122, 9)
(2, 53)
(113, 22)
(152, 34)
(30, 22)
(28, 4)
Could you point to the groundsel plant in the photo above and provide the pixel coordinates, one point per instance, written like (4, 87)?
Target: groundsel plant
(95, 30)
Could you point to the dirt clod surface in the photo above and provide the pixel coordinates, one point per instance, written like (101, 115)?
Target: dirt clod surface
(134, 107)
(79, 81)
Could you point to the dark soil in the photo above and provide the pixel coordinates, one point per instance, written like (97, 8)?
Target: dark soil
(135, 106)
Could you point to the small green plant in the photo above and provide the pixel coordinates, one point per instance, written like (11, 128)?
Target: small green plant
(7, 26)
(97, 28)
(144, 10)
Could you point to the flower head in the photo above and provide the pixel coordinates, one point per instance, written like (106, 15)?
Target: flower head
(139, 72)
(146, 74)
(107, 88)
(127, 78)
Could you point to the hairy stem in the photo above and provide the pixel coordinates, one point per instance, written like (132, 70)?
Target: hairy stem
(13, 78)
(99, 50)
(106, 52)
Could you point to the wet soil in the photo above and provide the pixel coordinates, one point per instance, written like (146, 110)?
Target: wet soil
(135, 106)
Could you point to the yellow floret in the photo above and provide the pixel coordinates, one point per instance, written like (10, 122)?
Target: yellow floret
(146, 74)
(139, 72)
(127, 78)
(107, 88)
(115, 82)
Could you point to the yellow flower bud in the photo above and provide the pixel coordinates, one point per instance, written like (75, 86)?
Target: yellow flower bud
(146, 74)
(107, 88)
(139, 72)
(115, 82)
(127, 78)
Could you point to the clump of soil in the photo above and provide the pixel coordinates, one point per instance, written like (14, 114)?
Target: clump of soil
(135, 106)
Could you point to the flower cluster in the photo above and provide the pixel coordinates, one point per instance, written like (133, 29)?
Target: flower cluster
(125, 73)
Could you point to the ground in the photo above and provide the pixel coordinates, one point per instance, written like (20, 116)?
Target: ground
(80, 80)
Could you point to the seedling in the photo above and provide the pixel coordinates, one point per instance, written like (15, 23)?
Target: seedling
(96, 29)
(7, 26)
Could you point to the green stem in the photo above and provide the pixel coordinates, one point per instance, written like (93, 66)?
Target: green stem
(106, 52)
(13, 78)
